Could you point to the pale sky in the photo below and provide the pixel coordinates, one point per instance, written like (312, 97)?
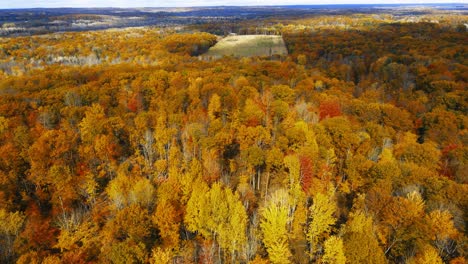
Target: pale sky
(4, 4)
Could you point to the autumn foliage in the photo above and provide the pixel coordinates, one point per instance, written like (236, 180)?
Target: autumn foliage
(351, 149)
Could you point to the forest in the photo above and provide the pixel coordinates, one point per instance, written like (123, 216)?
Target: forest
(126, 146)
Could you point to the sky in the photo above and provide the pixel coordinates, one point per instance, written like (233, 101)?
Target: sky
(5, 4)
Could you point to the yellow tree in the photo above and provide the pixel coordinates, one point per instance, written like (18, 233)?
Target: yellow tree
(442, 230)
(196, 211)
(297, 208)
(322, 219)
(334, 251)
(274, 227)
(10, 226)
(143, 140)
(402, 220)
(79, 240)
(161, 256)
(214, 107)
(127, 189)
(428, 255)
(126, 237)
(360, 242)
(93, 123)
(292, 163)
(233, 232)
(217, 213)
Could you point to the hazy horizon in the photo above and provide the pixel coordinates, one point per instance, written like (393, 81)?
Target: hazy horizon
(8, 4)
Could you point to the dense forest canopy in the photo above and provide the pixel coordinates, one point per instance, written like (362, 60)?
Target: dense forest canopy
(126, 146)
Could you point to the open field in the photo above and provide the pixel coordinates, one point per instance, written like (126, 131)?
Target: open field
(248, 46)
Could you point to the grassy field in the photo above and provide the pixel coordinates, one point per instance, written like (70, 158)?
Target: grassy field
(248, 46)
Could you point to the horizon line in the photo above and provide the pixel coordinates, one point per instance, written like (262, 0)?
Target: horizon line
(213, 6)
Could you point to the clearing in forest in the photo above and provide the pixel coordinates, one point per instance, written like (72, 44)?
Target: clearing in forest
(248, 46)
